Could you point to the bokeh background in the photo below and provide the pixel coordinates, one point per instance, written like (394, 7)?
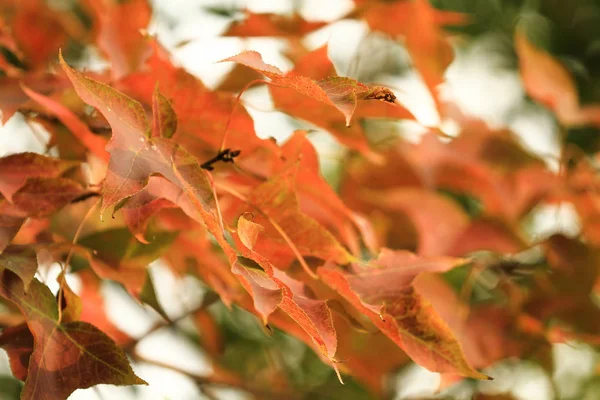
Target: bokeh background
(483, 80)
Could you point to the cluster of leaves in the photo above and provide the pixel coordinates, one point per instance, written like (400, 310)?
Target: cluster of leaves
(371, 276)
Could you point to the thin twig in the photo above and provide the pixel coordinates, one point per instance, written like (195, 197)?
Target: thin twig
(220, 381)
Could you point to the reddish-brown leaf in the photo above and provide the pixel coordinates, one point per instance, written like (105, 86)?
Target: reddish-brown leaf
(11, 219)
(17, 341)
(40, 197)
(17, 168)
(66, 356)
(271, 288)
(22, 261)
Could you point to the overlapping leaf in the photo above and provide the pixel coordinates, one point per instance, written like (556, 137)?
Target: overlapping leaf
(316, 65)
(383, 291)
(66, 355)
(341, 92)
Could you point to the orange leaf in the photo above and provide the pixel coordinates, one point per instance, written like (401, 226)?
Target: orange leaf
(94, 143)
(274, 25)
(119, 34)
(550, 83)
(341, 92)
(383, 291)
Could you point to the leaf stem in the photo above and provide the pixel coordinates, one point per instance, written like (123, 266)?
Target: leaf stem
(237, 100)
(62, 277)
(278, 227)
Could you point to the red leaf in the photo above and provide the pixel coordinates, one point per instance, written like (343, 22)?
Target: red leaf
(276, 199)
(202, 115)
(420, 24)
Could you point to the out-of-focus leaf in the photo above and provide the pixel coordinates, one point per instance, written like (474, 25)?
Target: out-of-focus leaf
(274, 25)
(119, 34)
(550, 82)
(17, 168)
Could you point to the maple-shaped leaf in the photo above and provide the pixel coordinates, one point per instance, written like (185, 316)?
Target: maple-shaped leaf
(22, 261)
(202, 115)
(119, 37)
(341, 92)
(317, 65)
(66, 355)
(17, 168)
(274, 25)
(383, 292)
(549, 82)
(135, 155)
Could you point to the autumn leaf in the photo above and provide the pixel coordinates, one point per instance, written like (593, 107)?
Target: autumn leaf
(66, 356)
(17, 168)
(420, 25)
(274, 25)
(383, 291)
(94, 143)
(40, 197)
(271, 288)
(202, 115)
(22, 261)
(287, 227)
(11, 220)
(549, 82)
(316, 65)
(119, 36)
(341, 92)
